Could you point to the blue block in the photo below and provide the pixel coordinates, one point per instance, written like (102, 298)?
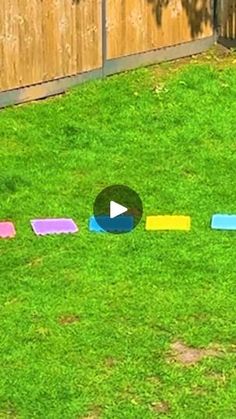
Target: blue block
(122, 224)
(94, 226)
(223, 222)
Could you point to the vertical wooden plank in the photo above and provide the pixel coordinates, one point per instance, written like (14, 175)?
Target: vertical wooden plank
(84, 40)
(94, 33)
(223, 19)
(36, 43)
(234, 21)
(79, 32)
(89, 42)
(65, 36)
(29, 36)
(10, 43)
(3, 81)
(115, 43)
(52, 53)
(228, 19)
(172, 32)
(73, 40)
(24, 65)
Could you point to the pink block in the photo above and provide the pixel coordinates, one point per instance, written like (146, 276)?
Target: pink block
(7, 229)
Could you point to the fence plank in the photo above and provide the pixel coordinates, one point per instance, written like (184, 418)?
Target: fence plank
(228, 19)
(89, 36)
(9, 42)
(140, 25)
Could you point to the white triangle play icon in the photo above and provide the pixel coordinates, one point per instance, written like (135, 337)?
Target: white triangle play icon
(116, 209)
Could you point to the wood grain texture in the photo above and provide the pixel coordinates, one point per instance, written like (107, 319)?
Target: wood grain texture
(43, 40)
(135, 26)
(228, 19)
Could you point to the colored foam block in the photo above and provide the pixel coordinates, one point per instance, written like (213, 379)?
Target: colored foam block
(94, 226)
(103, 223)
(7, 230)
(168, 222)
(223, 222)
(54, 226)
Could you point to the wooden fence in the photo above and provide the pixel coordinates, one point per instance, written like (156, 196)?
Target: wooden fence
(44, 40)
(48, 45)
(227, 21)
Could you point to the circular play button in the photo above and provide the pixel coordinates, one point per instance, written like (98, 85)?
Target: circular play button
(117, 209)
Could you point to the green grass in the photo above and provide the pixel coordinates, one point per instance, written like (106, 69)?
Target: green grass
(172, 139)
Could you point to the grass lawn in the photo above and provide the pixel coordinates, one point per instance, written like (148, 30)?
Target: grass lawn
(88, 321)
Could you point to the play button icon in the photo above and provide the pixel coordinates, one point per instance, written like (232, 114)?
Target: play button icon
(117, 209)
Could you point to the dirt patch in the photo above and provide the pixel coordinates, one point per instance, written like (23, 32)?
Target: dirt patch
(199, 391)
(189, 356)
(161, 407)
(91, 416)
(35, 262)
(95, 413)
(68, 319)
(11, 302)
(154, 380)
(219, 377)
(110, 362)
(9, 412)
(218, 56)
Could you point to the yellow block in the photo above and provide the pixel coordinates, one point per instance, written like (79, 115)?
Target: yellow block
(168, 222)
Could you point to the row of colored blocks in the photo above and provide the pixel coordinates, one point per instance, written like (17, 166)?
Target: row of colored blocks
(153, 223)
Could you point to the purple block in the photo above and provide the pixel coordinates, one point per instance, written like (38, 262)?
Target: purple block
(54, 226)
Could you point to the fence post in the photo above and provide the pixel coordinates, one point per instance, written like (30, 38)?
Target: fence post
(216, 16)
(104, 35)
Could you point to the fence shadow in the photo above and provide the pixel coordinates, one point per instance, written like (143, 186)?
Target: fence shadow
(198, 13)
